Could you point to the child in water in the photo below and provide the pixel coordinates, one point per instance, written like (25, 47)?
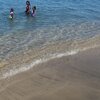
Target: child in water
(27, 7)
(33, 11)
(11, 13)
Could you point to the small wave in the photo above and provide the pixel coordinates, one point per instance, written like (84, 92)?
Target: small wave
(23, 68)
(26, 67)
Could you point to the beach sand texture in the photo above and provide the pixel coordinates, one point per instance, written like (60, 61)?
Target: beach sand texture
(75, 77)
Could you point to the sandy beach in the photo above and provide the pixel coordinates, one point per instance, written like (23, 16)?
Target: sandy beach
(75, 77)
(54, 55)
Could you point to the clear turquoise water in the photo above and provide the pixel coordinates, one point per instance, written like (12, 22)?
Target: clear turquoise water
(55, 21)
(49, 12)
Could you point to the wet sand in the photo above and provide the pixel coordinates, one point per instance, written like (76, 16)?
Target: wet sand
(75, 77)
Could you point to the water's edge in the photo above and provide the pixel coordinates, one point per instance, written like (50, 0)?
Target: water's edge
(24, 62)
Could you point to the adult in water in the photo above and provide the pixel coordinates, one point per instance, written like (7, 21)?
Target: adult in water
(27, 7)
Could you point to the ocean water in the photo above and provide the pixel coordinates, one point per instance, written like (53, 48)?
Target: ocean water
(60, 27)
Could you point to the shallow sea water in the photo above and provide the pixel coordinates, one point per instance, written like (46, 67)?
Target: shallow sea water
(60, 27)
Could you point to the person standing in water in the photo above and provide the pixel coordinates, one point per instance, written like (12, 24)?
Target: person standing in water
(27, 7)
(11, 13)
(33, 11)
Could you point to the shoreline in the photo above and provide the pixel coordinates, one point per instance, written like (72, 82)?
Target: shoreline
(25, 60)
(23, 68)
(72, 77)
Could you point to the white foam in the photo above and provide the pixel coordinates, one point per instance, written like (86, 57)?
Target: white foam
(26, 67)
(23, 68)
